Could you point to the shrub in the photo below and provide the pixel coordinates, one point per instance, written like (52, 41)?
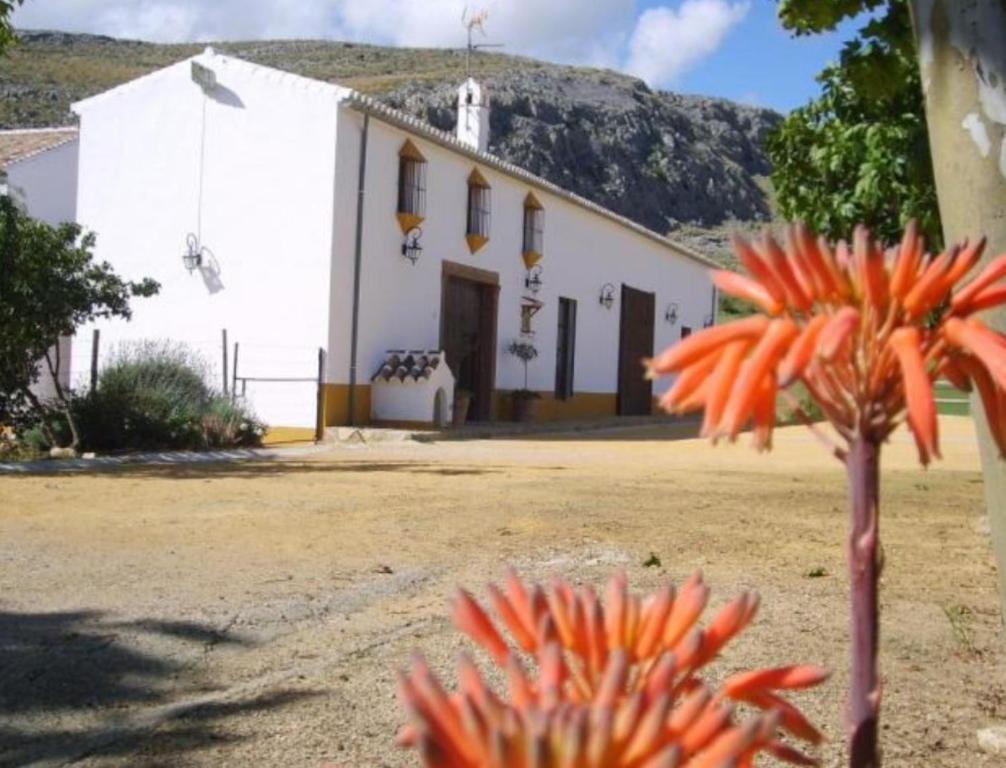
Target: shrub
(151, 396)
(229, 424)
(154, 396)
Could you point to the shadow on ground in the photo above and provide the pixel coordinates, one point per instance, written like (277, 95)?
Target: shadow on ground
(255, 468)
(621, 428)
(67, 680)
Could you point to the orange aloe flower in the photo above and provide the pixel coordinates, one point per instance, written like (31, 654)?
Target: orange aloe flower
(617, 685)
(866, 331)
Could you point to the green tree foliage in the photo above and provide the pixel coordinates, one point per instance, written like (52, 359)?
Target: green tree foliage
(860, 151)
(49, 285)
(7, 36)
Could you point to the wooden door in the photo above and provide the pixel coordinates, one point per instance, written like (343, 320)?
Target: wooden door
(635, 391)
(468, 337)
(565, 349)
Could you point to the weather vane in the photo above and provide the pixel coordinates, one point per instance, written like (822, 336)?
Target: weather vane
(472, 22)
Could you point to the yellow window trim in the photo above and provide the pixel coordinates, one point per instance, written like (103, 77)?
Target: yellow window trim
(531, 258)
(476, 179)
(532, 203)
(475, 242)
(411, 151)
(407, 221)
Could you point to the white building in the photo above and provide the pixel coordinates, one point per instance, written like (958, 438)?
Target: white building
(324, 220)
(38, 168)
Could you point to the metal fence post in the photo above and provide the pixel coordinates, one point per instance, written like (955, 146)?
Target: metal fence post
(234, 374)
(319, 429)
(95, 340)
(223, 347)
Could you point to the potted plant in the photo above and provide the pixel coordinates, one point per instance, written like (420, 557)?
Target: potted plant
(462, 402)
(523, 399)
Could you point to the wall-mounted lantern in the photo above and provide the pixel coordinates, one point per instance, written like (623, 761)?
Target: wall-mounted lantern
(532, 281)
(193, 256)
(671, 313)
(607, 297)
(411, 248)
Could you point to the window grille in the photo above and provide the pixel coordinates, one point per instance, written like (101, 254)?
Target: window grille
(534, 229)
(479, 210)
(412, 186)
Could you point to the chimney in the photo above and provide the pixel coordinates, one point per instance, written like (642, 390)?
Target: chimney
(473, 115)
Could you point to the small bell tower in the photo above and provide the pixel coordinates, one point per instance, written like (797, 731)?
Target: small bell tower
(473, 98)
(473, 115)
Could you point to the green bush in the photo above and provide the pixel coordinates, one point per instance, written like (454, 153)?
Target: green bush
(154, 396)
(228, 424)
(151, 396)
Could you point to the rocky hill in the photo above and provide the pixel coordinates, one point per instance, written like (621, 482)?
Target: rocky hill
(662, 159)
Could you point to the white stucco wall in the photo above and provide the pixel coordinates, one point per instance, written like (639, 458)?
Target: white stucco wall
(400, 303)
(46, 183)
(252, 163)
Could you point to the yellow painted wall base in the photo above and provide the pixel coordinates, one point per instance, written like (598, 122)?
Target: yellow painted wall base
(337, 404)
(582, 405)
(280, 435)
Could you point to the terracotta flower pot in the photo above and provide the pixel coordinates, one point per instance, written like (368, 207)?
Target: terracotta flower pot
(523, 408)
(462, 402)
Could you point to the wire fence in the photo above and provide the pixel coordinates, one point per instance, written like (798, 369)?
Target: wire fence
(281, 383)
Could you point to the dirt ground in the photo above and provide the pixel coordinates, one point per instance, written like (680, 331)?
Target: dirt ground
(256, 612)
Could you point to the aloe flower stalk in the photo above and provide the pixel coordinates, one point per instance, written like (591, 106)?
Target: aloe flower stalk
(617, 685)
(866, 332)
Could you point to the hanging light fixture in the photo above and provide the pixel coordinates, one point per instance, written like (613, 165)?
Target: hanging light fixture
(532, 281)
(193, 256)
(607, 297)
(411, 248)
(671, 313)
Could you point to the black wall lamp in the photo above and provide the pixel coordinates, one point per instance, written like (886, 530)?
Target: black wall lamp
(193, 256)
(671, 313)
(607, 297)
(532, 281)
(411, 248)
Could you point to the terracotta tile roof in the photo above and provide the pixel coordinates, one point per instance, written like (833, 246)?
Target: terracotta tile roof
(21, 144)
(405, 366)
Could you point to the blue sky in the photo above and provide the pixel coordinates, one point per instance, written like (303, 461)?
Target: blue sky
(731, 48)
(763, 63)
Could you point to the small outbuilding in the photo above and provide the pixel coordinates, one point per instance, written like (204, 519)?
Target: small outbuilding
(412, 389)
(38, 169)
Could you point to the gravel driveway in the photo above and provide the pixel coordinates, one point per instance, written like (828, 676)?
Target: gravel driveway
(256, 612)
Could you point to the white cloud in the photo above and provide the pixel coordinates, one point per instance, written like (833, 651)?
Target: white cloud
(181, 20)
(668, 41)
(657, 45)
(559, 30)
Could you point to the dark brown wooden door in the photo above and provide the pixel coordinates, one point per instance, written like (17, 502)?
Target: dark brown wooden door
(635, 392)
(468, 337)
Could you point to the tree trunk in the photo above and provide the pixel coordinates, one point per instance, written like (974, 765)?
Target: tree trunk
(962, 59)
(64, 403)
(40, 412)
(863, 470)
